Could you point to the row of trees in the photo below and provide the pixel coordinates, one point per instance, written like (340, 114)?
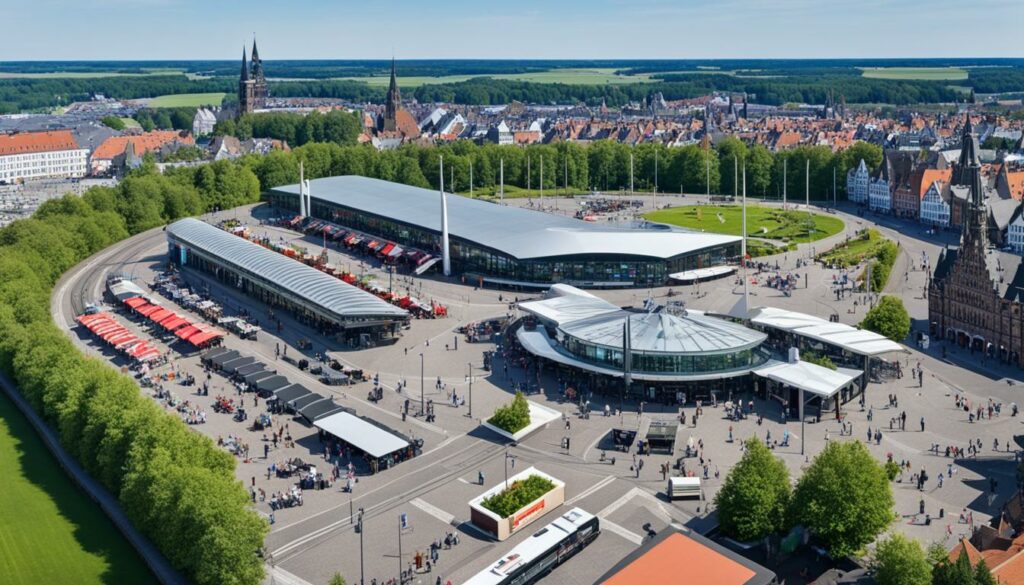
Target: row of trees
(899, 560)
(843, 482)
(165, 118)
(327, 149)
(21, 94)
(177, 487)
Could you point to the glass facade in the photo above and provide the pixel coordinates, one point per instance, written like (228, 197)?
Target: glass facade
(473, 258)
(684, 364)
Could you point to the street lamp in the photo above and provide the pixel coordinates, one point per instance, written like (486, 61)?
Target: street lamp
(362, 578)
(470, 367)
(507, 457)
(423, 404)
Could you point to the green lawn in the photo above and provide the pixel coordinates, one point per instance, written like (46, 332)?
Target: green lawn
(50, 532)
(916, 73)
(513, 192)
(855, 251)
(583, 76)
(762, 222)
(131, 123)
(187, 100)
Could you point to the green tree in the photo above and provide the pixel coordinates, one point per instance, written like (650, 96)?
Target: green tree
(759, 170)
(731, 153)
(514, 416)
(889, 318)
(982, 576)
(754, 498)
(844, 498)
(113, 122)
(958, 572)
(901, 561)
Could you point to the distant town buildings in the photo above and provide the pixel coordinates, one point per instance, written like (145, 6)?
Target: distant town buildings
(857, 182)
(203, 122)
(41, 155)
(135, 145)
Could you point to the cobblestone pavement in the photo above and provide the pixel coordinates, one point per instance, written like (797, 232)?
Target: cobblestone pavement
(311, 542)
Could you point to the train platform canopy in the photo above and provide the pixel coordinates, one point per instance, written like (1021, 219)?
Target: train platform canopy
(361, 434)
(518, 232)
(817, 380)
(658, 561)
(847, 337)
(290, 276)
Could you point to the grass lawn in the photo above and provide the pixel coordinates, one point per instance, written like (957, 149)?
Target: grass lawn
(762, 222)
(187, 100)
(513, 192)
(131, 123)
(855, 251)
(50, 532)
(582, 76)
(917, 73)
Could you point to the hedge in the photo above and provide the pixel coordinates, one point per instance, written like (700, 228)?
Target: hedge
(518, 495)
(514, 416)
(176, 486)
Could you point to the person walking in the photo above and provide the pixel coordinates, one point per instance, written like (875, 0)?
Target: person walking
(922, 424)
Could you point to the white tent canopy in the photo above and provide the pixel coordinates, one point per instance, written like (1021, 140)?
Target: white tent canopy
(858, 341)
(361, 434)
(809, 377)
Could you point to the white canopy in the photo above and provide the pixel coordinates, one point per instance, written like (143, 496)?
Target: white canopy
(858, 341)
(702, 273)
(361, 434)
(809, 377)
(566, 308)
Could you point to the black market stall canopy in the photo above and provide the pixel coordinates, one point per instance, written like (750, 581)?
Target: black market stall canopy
(267, 385)
(301, 402)
(290, 393)
(233, 366)
(254, 377)
(661, 437)
(250, 369)
(210, 354)
(315, 411)
(362, 434)
(220, 359)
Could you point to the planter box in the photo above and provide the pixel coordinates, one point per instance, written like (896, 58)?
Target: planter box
(539, 416)
(502, 528)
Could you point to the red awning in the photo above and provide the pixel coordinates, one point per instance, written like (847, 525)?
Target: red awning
(135, 302)
(148, 310)
(390, 246)
(168, 318)
(126, 341)
(186, 332)
(204, 336)
(159, 315)
(177, 321)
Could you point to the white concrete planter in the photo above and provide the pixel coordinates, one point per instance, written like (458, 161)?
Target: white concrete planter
(502, 528)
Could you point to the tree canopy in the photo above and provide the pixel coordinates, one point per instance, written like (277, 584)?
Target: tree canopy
(901, 561)
(514, 416)
(889, 318)
(754, 499)
(844, 498)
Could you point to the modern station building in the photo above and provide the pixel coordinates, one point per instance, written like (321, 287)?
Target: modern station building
(676, 352)
(508, 246)
(313, 297)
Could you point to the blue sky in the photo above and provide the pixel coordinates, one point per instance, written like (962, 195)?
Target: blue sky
(536, 29)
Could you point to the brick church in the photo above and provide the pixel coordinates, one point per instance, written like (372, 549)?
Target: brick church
(974, 297)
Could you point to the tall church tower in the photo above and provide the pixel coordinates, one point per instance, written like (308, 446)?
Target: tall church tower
(252, 84)
(392, 102)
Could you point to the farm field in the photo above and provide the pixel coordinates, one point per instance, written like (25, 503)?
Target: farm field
(762, 222)
(85, 74)
(187, 100)
(50, 532)
(916, 73)
(582, 76)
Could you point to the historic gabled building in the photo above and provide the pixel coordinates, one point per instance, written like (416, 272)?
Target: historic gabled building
(974, 297)
(857, 181)
(252, 84)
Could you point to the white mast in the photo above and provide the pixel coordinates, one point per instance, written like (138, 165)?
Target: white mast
(502, 182)
(743, 244)
(654, 199)
(807, 189)
(631, 173)
(784, 182)
(542, 180)
(302, 190)
(470, 178)
(446, 261)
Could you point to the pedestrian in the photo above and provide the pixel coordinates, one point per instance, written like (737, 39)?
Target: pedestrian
(922, 424)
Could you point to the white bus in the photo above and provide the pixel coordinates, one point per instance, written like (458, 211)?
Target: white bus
(544, 550)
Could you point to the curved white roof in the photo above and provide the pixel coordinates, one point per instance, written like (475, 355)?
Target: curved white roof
(518, 232)
(304, 282)
(663, 332)
(858, 341)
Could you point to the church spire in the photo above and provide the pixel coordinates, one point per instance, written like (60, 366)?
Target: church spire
(392, 102)
(245, 66)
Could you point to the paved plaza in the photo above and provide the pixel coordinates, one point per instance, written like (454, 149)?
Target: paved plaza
(312, 542)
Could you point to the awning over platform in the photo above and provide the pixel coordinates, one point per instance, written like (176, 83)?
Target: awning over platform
(858, 341)
(809, 377)
(362, 434)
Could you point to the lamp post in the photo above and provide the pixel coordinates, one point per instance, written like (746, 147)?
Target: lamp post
(362, 578)
(470, 367)
(401, 576)
(507, 457)
(423, 404)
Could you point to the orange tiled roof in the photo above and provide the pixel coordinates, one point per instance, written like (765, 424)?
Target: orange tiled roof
(972, 553)
(1010, 572)
(929, 176)
(28, 142)
(1015, 182)
(142, 143)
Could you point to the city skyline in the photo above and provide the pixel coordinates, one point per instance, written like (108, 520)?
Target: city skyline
(454, 29)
